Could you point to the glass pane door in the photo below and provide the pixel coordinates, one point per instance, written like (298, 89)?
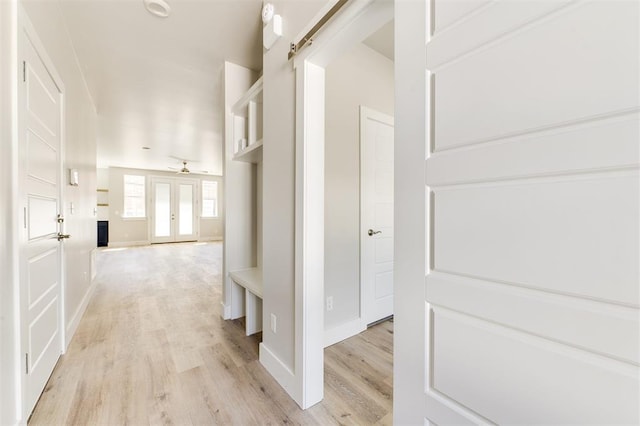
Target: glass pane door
(162, 210)
(174, 210)
(185, 215)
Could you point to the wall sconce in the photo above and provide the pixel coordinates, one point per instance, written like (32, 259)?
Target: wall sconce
(73, 177)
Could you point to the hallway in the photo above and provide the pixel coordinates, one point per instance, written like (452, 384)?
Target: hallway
(153, 349)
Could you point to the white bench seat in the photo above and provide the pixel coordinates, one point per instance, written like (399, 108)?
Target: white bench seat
(251, 280)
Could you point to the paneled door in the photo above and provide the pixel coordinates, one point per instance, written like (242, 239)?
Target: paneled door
(174, 210)
(40, 147)
(532, 296)
(376, 211)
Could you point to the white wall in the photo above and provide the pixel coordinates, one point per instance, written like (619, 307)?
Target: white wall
(360, 77)
(279, 185)
(136, 231)
(8, 358)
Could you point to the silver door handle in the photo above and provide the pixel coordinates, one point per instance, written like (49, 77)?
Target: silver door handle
(62, 236)
(371, 232)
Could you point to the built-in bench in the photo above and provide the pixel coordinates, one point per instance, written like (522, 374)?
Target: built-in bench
(251, 280)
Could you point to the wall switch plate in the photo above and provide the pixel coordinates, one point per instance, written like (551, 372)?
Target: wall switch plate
(273, 323)
(330, 303)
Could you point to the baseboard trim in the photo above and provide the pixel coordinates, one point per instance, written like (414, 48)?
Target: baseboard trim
(94, 270)
(72, 326)
(343, 331)
(283, 375)
(207, 239)
(118, 244)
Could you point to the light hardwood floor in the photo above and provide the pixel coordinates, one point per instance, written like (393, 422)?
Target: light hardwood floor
(152, 349)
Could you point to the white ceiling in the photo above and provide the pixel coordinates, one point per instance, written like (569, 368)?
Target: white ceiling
(157, 82)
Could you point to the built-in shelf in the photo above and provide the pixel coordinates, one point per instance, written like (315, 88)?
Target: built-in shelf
(253, 94)
(251, 279)
(243, 198)
(247, 125)
(251, 154)
(102, 197)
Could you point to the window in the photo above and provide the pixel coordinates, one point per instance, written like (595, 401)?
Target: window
(209, 198)
(134, 196)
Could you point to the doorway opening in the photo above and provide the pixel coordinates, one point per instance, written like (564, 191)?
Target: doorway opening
(358, 189)
(329, 183)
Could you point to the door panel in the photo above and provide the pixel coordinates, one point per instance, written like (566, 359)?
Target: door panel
(377, 214)
(42, 219)
(532, 298)
(162, 211)
(39, 278)
(532, 214)
(42, 159)
(547, 96)
(185, 210)
(40, 117)
(537, 379)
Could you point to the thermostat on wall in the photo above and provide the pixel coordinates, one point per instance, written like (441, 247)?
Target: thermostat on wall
(73, 177)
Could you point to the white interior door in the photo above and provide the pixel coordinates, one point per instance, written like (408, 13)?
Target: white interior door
(174, 210)
(40, 115)
(376, 224)
(532, 297)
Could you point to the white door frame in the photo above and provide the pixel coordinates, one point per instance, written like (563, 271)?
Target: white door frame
(352, 25)
(27, 31)
(10, 411)
(412, 207)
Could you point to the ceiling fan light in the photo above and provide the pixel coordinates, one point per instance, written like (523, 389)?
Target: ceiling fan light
(158, 8)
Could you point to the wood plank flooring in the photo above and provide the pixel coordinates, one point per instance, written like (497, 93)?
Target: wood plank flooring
(152, 349)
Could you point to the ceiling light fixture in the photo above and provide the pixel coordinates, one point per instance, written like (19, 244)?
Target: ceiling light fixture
(157, 7)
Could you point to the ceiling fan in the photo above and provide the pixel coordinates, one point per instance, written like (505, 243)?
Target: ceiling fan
(184, 170)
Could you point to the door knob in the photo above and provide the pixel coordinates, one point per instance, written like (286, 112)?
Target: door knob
(62, 236)
(371, 232)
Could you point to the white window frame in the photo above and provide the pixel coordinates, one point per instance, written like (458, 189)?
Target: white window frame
(216, 213)
(143, 197)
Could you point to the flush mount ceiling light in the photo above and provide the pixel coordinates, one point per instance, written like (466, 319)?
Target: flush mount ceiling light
(157, 7)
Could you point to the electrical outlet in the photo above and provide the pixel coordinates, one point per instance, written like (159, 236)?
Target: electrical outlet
(330, 303)
(273, 323)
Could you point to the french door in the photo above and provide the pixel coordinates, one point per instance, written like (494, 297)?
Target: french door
(173, 210)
